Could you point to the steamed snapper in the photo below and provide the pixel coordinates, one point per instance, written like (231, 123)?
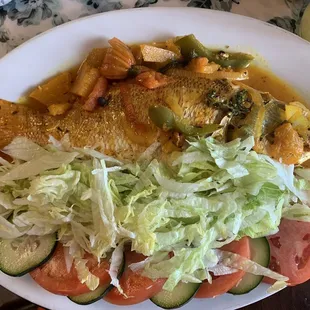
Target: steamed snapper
(122, 128)
(166, 92)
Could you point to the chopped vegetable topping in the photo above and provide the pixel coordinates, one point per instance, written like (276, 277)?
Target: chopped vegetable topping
(239, 104)
(59, 108)
(152, 79)
(191, 47)
(288, 147)
(117, 61)
(155, 54)
(202, 65)
(100, 89)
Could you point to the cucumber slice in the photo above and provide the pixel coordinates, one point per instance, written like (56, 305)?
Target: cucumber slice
(260, 253)
(21, 255)
(181, 295)
(99, 292)
(93, 296)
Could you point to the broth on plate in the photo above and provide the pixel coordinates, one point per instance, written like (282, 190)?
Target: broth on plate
(266, 81)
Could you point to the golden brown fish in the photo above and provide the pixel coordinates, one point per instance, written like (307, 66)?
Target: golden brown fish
(122, 128)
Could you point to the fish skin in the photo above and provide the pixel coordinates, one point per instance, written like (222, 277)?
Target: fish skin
(105, 128)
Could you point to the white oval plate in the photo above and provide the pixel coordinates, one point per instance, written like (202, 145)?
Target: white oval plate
(284, 53)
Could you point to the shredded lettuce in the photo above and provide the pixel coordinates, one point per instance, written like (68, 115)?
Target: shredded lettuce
(191, 204)
(277, 286)
(116, 264)
(9, 230)
(298, 212)
(237, 261)
(38, 165)
(24, 149)
(221, 269)
(84, 275)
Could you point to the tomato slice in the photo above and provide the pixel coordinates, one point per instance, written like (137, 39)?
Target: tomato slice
(223, 284)
(54, 277)
(137, 287)
(290, 251)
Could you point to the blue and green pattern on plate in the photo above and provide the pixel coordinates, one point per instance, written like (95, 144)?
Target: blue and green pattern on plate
(21, 20)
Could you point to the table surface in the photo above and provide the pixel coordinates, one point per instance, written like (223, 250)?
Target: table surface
(22, 19)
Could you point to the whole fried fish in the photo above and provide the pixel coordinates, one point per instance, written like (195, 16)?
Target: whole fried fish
(123, 128)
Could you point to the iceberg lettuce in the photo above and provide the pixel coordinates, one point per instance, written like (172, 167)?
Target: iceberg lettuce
(190, 205)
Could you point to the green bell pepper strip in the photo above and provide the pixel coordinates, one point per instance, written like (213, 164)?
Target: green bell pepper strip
(165, 119)
(191, 47)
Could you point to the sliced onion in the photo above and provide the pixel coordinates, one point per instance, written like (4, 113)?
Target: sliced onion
(117, 61)
(229, 75)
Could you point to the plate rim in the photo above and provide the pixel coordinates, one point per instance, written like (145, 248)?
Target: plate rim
(155, 9)
(160, 8)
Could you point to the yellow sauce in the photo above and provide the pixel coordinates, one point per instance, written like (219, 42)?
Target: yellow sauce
(266, 81)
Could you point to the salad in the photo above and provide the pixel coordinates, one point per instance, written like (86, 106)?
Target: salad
(86, 225)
